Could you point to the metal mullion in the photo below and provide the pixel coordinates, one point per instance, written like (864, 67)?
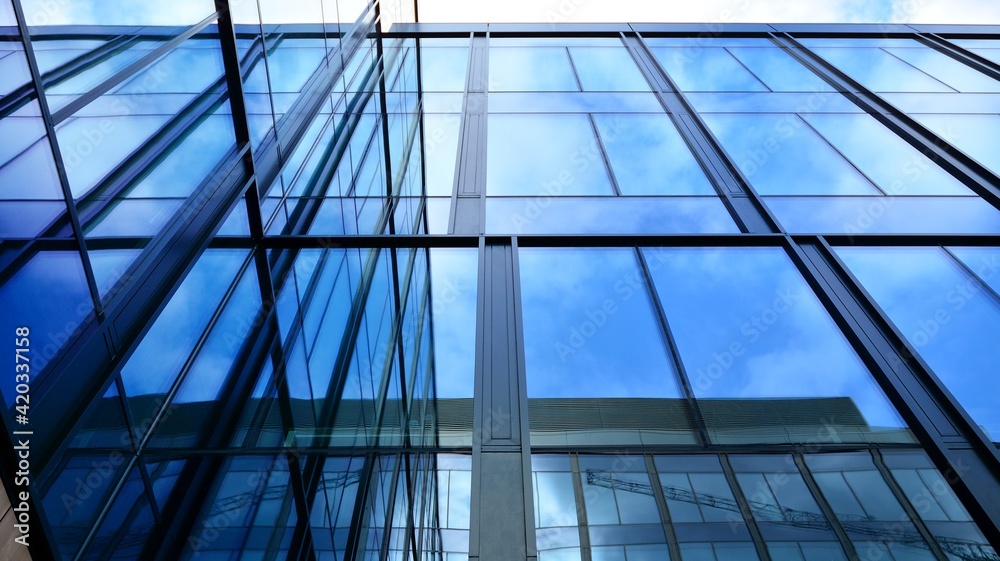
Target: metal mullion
(701, 430)
(71, 108)
(908, 507)
(661, 503)
(604, 155)
(825, 508)
(583, 526)
(748, 518)
(50, 131)
(961, 54)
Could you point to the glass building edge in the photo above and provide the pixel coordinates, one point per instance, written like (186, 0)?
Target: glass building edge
(376, 302)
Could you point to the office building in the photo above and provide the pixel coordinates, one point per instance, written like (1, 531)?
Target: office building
(311, 280)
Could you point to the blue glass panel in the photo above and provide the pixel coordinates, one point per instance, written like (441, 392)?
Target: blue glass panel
(189, 162)
(72, 507)
(49, 295)
(706, 69)
(153, 367)
(554, 154)
(948, 70)
(769, 102)
(593, 346)
(976, 135)
(781, 155)
(888, 160)
(779, 71)
(890, 215)
(607, 69)
(443, 70)
(25, 219)
(293, 62)
(454, 276)
(93, 146)
(199, 393)
(944, 102)
(880, 71)
(649, 157)
(110, 265)
(31, 175)
(620, 215)
(528, 69)
(134, 217)
(60, 93)
(944, 313)
(573, 102)
(752, 335)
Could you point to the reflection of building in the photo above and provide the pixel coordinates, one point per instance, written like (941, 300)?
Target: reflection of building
(297, 289)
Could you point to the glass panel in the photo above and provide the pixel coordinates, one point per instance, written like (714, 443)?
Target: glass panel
(706, 69)
(444, 69)
(972, 134)
(866, 507)
(946, 69)
(880, 71)
(603, 215)
(886, 159)
(47, 294)
(772, 149)
(790, 521)
(944, 312)
(607, 69)
(531, 69)
(649, 157)
(755, 339)
(778, 70)
(893, 215)
(556, 524)
(597, 367)
(937, 505)
(152, 369)
(441, 152)
(553, 154)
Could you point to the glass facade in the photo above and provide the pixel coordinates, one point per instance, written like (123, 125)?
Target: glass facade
(282, 286)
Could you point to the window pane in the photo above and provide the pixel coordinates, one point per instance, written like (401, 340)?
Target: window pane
(606, 215)
(607, 69)
(781, 155)
(706, 69)
(536, 154)
(880, 71)
(753, 336)
(542, 69)
(596, 362)
(887, 160)
(779, 71)
(945, 313)
(649, 157)
(976, 135)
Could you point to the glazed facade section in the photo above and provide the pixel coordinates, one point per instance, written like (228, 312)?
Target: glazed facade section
(302, 285)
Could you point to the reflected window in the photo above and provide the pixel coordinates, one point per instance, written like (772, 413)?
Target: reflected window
(755, 339)
(597, 363)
